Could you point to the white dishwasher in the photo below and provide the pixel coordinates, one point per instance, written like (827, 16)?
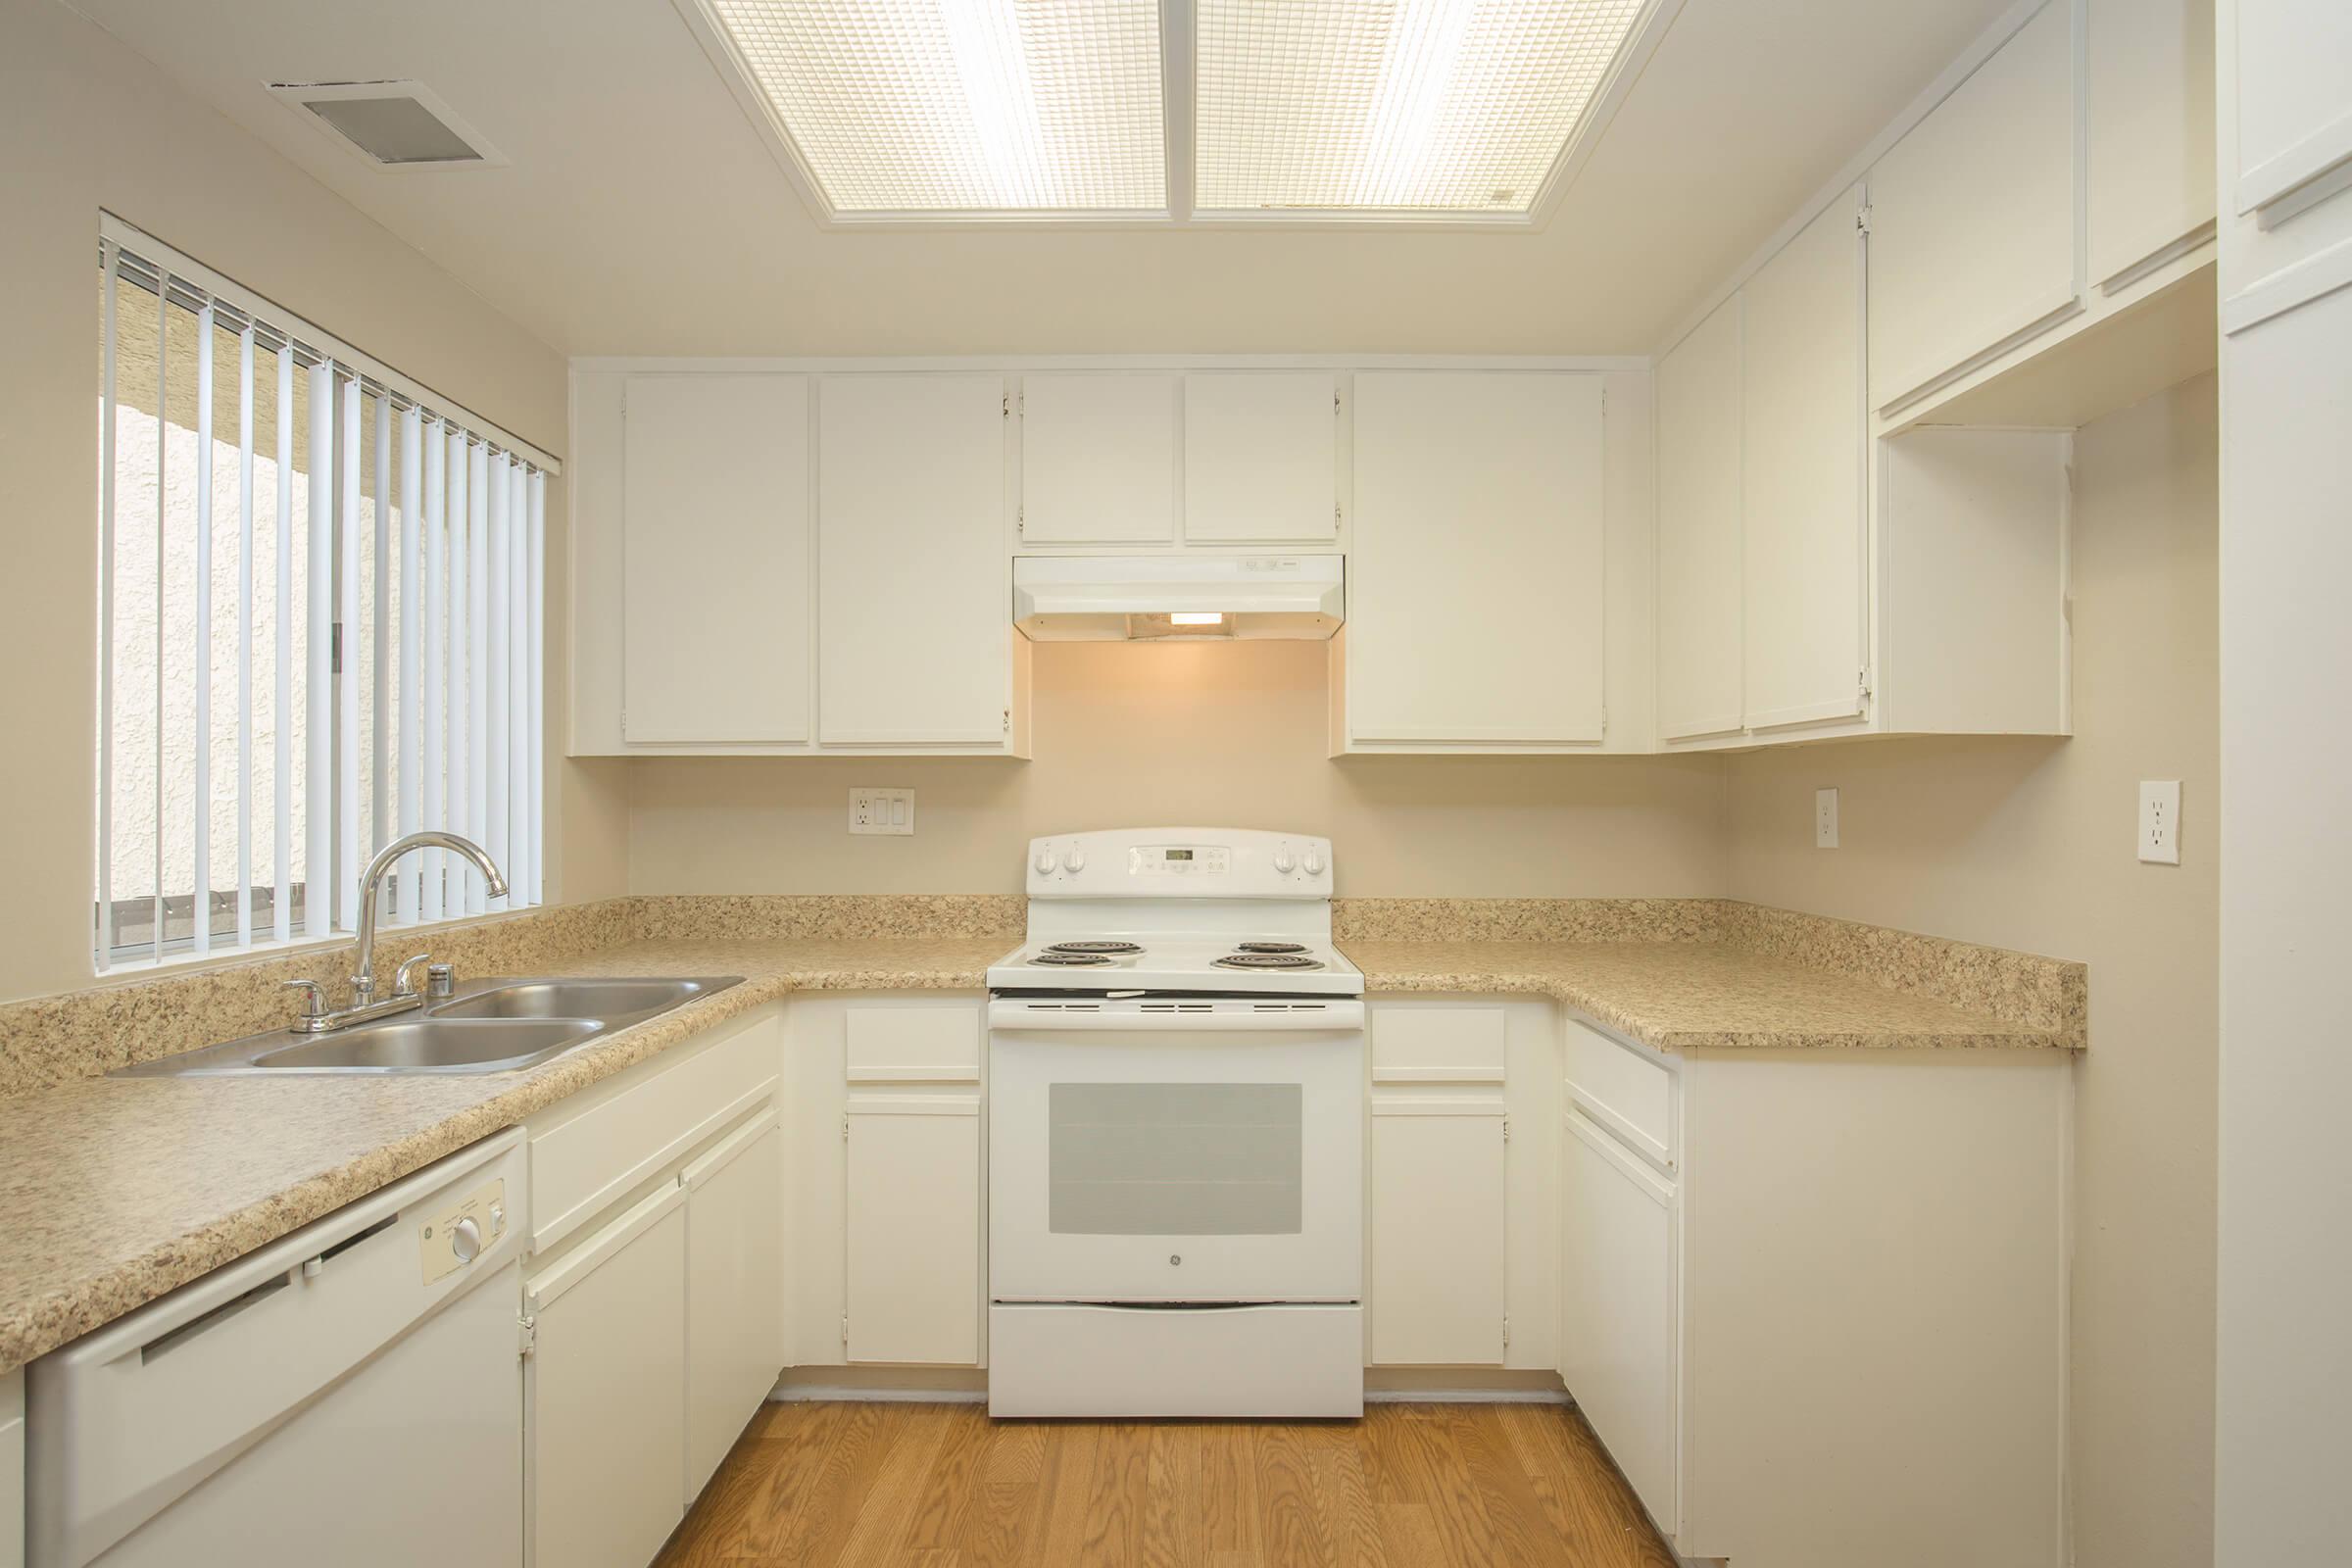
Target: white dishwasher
(350, 1393)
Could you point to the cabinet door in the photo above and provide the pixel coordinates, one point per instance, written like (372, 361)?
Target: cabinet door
(1802, 488)
(605, 1415)
(2148, 115)
(1260, 457)
(1437, 1224)
(914, 582)
(1097, 459)
(913, 1271)
(1699, 530)
(714, 541)
(1972, 228)
(12, 1468)
(2293, 97)
(1618, 1314)
(1474, 587)
(734, 1290)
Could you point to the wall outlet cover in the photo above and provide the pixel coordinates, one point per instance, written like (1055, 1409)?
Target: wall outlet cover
(1824, 819)
(2159, 822)
(876, 811)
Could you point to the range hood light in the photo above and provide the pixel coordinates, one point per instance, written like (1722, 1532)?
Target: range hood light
(1195, 618)
(1151, 597)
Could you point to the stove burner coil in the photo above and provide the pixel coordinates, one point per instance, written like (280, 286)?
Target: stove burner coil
(1271, 947)
(1073, 960)
(1105, 948)
(1267, 960)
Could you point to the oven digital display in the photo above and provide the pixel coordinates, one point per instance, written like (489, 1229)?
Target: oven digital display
(1180, 854)
(1179, 860)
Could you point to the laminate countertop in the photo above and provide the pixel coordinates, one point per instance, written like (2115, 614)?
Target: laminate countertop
(116, 1191)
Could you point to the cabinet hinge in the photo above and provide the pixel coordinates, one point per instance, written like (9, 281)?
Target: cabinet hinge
(526, 1334)
(1862, 684)
(1506, 1331)
(1009, 721)
(1008, 405)
(1506, 1129)
(1862, 220)
(1335, 405)
(845, 1129)
(845, 1328)
(1335, 513)
(1020, 519)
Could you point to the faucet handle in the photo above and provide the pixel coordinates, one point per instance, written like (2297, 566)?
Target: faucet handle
(400, 985)
(313, 1005)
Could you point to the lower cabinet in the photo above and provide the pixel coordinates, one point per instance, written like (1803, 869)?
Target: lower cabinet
(1617, 1307)
(1438, 1208)
(734, 1290)
(912, 1287)
(604, 1411)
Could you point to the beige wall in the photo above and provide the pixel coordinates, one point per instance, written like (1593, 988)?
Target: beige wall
(2029, 844)
(89, 124)
(1206, 735)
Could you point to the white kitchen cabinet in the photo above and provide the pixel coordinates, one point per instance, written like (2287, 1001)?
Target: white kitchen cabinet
(1618, 1315)
(913, 1218)
(914, 579)
(1475, 578)
(12, 1469)
(1260, 457)
(1097, 459)
(604, 1389)
(2294, 126)
(734, 1290)
(1973, 215)
(1804, 553)
(1439, 1211)
(714, 581)
(1698, 565)
(2148, 151)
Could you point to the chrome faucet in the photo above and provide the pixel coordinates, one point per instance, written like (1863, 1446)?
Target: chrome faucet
(315, 1019)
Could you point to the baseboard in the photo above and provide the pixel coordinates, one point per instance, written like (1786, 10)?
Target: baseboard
(963, 1385)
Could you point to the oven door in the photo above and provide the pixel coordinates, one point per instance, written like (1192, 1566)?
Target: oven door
(1162, 1151)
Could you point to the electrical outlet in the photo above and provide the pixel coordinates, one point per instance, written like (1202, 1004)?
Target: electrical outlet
(2159, 822)
(1824, 819)
(874, 811)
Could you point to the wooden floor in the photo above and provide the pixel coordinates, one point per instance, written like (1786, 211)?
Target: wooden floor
(942, 1486)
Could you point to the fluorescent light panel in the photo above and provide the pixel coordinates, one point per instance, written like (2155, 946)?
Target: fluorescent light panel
(1428, 108)
(964, 108)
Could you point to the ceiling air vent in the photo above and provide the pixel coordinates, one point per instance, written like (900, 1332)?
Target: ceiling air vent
(394, 124)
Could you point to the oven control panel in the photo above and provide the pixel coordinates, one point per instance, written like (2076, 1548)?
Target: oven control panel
(1181, 862)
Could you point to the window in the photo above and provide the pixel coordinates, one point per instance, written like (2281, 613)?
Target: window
(321, 614)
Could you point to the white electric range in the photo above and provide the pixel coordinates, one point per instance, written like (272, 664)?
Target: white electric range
(1176, 1109)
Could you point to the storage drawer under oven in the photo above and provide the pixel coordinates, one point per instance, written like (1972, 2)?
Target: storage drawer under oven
(1213, 1165)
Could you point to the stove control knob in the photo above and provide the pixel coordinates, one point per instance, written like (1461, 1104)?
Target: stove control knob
(1283, 861)
(1045, 862)
(1314, 862)
(1074, 861)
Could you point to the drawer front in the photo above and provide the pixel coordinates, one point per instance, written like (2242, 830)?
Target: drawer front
(596, 1147)
(1626, 1093)
(910, 1042)
(1414, 1042)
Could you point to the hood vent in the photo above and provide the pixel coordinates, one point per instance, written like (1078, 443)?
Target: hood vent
(1189, 598)
(397, 124)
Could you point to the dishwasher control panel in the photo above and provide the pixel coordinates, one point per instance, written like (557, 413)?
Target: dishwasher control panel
(464, 1232)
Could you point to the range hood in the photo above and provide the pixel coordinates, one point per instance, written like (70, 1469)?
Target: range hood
(1099, 599)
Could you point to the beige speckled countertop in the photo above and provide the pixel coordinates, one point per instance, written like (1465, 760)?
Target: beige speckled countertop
(1693, 996)
(114, 1191)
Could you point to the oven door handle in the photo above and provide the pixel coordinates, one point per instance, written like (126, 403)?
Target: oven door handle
(1328, 1017)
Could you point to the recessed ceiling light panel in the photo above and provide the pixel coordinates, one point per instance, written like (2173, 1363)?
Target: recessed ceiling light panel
(1425, 108)
(962, 109)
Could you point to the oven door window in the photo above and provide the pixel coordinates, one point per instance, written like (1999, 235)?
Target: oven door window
(1175, 1160)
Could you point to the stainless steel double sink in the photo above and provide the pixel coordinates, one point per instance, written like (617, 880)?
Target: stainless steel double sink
(494, 1025)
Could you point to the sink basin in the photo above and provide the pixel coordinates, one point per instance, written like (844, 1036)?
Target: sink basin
(616, 1002)
(430, 1045)
(494, 1025)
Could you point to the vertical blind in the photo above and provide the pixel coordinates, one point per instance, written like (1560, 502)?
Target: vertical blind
(321, 624)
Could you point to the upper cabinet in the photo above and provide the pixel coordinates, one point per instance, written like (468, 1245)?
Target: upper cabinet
(2294, 134)
(1698, 543)
(714, 549)
(1475, 581)
(1260, 457)
(915, 588)
(2148, 130)
(1972, 221)
(1097, 459)
(1803, 549)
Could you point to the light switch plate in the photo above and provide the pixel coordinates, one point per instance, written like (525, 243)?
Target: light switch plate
(873, 811)
(1824, 819)
(2159, 822)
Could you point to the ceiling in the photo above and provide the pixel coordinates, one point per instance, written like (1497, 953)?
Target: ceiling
(641, 212)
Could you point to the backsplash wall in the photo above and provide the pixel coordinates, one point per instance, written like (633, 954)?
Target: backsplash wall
(1198, 734)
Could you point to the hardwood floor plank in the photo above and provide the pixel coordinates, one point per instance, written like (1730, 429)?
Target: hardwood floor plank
(878, 1539)
(1001, 1526)
(947, 1492)
(838, 1491)
(1350, 1522)
(1115, 1495)
(1229, 1487)
(1069, 1469)
(1522, 1531)
(1017, 1449)
(1409, 1536)
(1290, 1521)
(1175, 1513)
